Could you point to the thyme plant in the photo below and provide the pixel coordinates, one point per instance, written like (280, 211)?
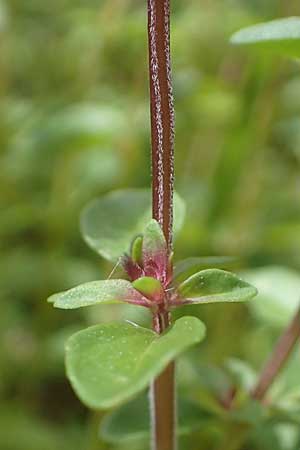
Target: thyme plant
(109, 363)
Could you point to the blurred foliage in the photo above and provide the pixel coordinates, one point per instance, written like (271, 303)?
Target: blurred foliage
(74, 124)
(281, 36)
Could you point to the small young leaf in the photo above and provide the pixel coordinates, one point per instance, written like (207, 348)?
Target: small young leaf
(93, 292)
(136, 249)
(109, 363)
(119, 425)
(155, 248)
(109, 224)
(280, 36)
(148, 286)
(214, 285)
(154, 241)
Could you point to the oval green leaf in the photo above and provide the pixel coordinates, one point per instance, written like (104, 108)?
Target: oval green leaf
(278, 294)
(215, 285)
(109, 363)
(280, 36)
(93, 292)
(109, 224)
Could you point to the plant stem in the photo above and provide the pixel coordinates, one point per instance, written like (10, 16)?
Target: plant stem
(162, 390)
(162, 409)
(162, 399)
(278, 357)
(92, 439)
(162, 114)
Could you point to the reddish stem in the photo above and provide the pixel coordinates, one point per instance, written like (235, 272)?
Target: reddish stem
(162, 114)
(162, 397)
(163, 407)
(275, 363)
(278, 358)
(162, 140)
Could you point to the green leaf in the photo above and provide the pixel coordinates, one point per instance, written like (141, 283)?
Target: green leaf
(132, 420)
(187, 267)
(110, 223)
(93, 292)
(80, 124)
(154, 243)
(109, 363)
(148, 286)
(136, 249)
(278, 294)
(22, 428)
(280, 36)
(287, 407)
(250, 412)
(242, 373)
(214, 285)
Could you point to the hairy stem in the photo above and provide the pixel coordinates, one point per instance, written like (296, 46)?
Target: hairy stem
(162, 398)
(162, 390)
(278, 358)
(162, 114)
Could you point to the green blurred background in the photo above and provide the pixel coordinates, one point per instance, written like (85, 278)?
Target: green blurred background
(74, 124)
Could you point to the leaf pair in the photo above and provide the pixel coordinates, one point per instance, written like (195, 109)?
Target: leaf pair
(109, 363)
(206, 286)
